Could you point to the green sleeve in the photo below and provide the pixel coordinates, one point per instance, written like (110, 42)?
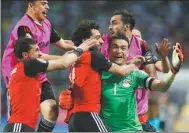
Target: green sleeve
(141, 78)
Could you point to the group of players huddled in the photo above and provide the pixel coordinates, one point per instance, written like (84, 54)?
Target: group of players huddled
(110, 74)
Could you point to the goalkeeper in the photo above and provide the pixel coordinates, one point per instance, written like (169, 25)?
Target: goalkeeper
(118, 104)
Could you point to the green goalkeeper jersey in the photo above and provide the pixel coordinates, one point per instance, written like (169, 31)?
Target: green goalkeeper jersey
(118, 105)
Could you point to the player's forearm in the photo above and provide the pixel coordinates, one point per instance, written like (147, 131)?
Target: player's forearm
(62, 63)
(49, 57)
(122, 70)
(165, 64)
(163, 85)
(65, 61)
(151, 70)
(68, 60)
(64, 45)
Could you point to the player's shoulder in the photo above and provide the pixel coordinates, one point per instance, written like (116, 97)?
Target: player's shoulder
(137, 71)
(47, 22)
(138, 38)
(106, 75)
(24, 21)
(142, 42)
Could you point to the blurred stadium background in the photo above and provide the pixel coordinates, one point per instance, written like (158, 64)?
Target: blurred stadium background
(155, 19)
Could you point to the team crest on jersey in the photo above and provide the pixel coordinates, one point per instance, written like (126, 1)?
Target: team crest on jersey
(13, 71)
(126, 83)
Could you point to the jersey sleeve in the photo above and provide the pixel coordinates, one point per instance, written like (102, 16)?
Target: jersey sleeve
(24, 31)
(99, 62)
(147, 53)
(54, 36)
(155, 58)
(143, 79)
(34, 66)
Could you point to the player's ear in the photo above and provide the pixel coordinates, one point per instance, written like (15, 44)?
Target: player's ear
(30, 5)
(25, 55)
(126, 27)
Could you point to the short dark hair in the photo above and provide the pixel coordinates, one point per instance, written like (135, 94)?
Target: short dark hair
(83, 31)
(127, 17)
(27, 2)
(23, 45)
(118, 36)
(31, 1)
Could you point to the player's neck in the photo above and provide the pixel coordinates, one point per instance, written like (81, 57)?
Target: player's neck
(33, 17)
(129, 35)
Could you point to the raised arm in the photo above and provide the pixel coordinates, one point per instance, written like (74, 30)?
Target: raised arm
(163, 50)
(149, 65)
(70, 57)
(163, 85)
(56, 39)
(122, 70)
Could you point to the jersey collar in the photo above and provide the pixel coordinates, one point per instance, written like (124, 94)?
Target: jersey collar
(40, 26)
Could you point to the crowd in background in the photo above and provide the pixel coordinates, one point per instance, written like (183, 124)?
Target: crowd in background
(155, 19)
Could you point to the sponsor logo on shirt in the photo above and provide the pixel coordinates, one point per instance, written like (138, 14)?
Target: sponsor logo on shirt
(43, 44)
(126, 83)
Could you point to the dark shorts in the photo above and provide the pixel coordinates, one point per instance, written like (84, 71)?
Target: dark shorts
(86, 122)
(47, 92)
(147, 127)
(18, 127)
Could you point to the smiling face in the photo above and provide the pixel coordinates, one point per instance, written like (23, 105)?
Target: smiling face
(118, 51)
(39, 9)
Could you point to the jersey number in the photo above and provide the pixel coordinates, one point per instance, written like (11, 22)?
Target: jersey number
(115, 88)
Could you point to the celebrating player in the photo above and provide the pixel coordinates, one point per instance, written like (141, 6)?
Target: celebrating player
(162, 66)
(123, 22)
(86, 82)
(118, 108)
(34, 24)
(24, 85)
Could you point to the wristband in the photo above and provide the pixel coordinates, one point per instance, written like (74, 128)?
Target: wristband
(78, 51)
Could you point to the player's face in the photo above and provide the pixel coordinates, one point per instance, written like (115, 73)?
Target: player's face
(118, 51)
(96, 34)
(40, 9)
(34, 52)
(116, 25)
(137, 33)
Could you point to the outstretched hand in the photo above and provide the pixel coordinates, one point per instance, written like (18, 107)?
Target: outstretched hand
(164, 49)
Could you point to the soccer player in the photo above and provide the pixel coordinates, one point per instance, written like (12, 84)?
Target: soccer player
(123, 22)
(86, 82)
(158, 63)
(24, 84)
(162, 66)
(118, 98)
(35, 24)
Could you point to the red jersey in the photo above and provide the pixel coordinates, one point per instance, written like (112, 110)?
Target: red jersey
(85, 77)
(24, 92)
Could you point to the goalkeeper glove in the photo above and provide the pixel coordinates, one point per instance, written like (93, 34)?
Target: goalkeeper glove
(177, 58)
(65, 99)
